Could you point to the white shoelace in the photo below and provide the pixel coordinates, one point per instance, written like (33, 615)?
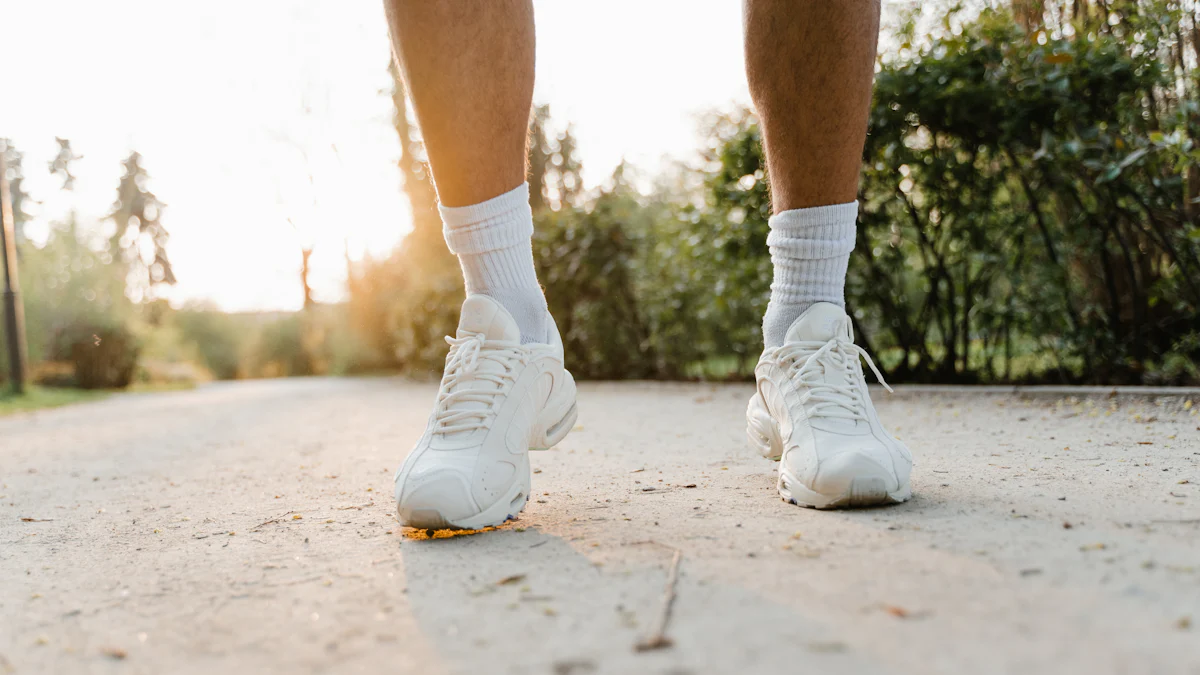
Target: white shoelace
(805, 362)
(462, 367)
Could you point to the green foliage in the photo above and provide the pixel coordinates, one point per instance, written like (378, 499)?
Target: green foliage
(586, 259)
(1027, 214)
(72, 289)
(217, 338)
(401, 307)
(280, 350)
(720, 251)
(1013, 189)
(76, 286)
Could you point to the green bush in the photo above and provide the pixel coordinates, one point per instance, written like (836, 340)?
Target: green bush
(104, 356)
(1020, 199)
(586, 261)
(1027, 214)
(218, 339)
(279, 350)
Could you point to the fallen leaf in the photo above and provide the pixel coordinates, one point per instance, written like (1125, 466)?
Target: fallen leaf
(895, 611)
(510, 580)
(114, 653)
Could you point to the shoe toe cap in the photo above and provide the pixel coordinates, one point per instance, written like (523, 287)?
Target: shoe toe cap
(836, 475)
(433, 499)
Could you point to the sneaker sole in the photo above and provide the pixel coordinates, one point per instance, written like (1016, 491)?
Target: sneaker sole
(763, 434)
(863, 492)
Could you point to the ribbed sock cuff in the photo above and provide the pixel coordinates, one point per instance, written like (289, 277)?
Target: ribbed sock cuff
(493, 242)
(500, 222)
(818, 232)
(810, 251)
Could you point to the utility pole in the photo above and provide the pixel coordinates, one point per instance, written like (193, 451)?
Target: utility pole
(14, 313)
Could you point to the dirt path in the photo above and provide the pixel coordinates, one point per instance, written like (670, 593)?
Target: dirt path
(249, 528)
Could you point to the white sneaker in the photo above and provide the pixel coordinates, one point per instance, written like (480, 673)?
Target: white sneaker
(498, 399)
(813, 413)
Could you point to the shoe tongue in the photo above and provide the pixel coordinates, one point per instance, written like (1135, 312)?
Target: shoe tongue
(820, 323)
(482, 314)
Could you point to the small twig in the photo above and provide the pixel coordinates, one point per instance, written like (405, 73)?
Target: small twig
(655, 490)
(658, 639)
(273, 520)
(295, 582)
(357, 508)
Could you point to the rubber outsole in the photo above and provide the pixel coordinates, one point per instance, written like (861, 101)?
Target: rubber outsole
(862, 493)
(763, 434)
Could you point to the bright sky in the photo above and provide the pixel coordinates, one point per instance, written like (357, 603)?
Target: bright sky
(225, 100)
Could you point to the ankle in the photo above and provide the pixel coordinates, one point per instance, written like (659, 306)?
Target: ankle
(810, 250)
(492, 240)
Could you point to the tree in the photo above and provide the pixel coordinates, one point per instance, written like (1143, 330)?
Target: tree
(16, 176)
(415, 176)
(555, 170)
(140, 237)
(402, 305)
(61, 164)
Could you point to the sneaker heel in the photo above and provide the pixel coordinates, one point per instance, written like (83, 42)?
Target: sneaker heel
(761, 431)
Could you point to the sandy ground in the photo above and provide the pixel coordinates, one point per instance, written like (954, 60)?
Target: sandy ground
(249, 527)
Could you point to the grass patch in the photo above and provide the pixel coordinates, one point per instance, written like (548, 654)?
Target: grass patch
(157, 387)
(36, 397)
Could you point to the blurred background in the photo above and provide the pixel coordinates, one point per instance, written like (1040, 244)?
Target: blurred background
(238, 190)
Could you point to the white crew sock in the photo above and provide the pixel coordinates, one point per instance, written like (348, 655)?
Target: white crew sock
(810, 249)
(493, 242)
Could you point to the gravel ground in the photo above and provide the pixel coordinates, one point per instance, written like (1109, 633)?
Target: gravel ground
(249, 527)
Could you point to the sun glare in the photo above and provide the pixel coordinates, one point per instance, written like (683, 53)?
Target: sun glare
(266, 127)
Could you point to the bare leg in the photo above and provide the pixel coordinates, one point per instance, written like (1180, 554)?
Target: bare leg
(469, 70)
(468, 65)
(810, 64)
